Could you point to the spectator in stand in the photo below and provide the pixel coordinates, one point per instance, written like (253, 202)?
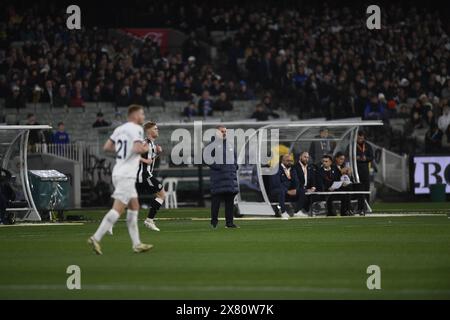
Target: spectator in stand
(16, 100)
(205, 105)
(107, 92)
(48, 93)
(61, 136)
(361, 102)
(222, 104)
(433, 140)
(96, 94)
(244, 93)
(403, 112)
(123, 100)
(156, 100)
(61, 100)
(259, 114)
(190, 110)
(417, 122)
(374, 109)
(77, 98)
(263, 114)
(231, 91)
(100, 121)
(139, 98)
(430, 120)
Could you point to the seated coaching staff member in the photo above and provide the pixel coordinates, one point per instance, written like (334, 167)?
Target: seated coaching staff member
(327, 174)
(223, 178)
(306, 177)
(339, 163)
(284, 184)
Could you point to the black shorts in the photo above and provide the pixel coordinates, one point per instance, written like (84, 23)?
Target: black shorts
(151, 185)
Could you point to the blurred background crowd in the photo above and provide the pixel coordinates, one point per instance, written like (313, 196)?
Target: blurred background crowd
(308, 60)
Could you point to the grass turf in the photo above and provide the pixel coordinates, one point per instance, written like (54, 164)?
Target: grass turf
(273, 259)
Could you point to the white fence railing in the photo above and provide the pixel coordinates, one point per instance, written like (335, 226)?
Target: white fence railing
(391, 169)
(80, 152)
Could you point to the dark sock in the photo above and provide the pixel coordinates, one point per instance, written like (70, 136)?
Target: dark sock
(154, 209)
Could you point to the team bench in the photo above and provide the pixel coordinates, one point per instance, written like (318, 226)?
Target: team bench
(329, 193)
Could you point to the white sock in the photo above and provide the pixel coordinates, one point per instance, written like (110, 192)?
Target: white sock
(133, 227)
(107, 223)
(159, 200)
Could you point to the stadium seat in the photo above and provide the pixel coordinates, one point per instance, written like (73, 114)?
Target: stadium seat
(170, 186)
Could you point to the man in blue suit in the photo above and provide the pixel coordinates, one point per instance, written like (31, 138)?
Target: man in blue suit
(284, 184)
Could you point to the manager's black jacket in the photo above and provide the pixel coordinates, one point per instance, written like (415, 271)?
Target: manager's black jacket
(311, 175)
(326, 178)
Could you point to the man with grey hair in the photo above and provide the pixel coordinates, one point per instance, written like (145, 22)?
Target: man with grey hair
(223, 177)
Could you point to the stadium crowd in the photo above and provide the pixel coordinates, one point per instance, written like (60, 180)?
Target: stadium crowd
(311, 61)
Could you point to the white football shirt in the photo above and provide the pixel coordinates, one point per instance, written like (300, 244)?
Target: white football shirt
(127, 161)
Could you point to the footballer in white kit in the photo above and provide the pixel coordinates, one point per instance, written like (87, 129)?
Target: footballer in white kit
(127, 162)
(127, 142)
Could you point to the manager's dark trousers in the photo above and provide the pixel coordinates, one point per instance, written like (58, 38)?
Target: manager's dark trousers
(364, 178)
(228, 198)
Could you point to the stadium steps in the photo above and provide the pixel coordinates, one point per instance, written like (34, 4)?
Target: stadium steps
(78, 121)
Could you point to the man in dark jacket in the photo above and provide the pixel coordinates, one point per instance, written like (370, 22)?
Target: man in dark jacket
(284, 184)
(322, 145)
(223, 177)
(306, 174)
(364, 156)
(327, 175)
(342, 171)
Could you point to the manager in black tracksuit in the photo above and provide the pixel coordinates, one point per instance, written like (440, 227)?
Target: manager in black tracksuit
(223, 178)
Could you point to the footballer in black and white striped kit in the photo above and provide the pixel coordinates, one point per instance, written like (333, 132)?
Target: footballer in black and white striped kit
(146, 183)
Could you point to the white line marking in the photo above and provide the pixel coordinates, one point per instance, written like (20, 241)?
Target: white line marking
(219, 288)
(38, 224)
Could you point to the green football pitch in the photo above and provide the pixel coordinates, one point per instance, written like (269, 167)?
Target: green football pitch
(318, 258)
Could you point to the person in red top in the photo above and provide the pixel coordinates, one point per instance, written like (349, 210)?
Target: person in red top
(77, 99)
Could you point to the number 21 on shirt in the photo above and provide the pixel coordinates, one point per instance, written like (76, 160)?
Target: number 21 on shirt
(121, 149)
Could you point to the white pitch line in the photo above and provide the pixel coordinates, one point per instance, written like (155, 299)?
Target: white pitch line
(38, 224)
(219, 288)
(371, 215)
(251, 218)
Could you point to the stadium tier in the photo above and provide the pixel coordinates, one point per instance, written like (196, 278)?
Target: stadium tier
(239, 149)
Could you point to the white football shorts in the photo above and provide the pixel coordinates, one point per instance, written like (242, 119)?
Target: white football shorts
(124, 189)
